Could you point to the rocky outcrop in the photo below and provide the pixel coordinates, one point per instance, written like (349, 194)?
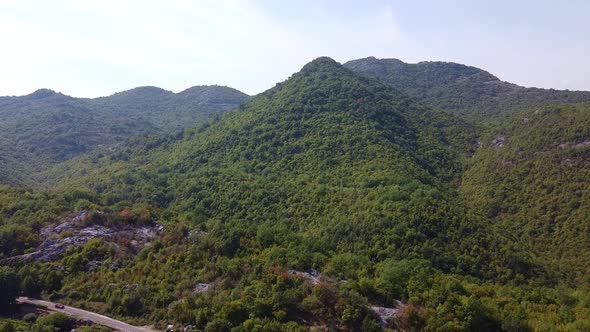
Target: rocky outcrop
(312, 276)
(386, 315)
(72, 231)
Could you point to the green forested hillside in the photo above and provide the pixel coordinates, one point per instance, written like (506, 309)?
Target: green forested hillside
(325, 149)
(468, 91)
(45, 127)
(531, 178)
(327, 195)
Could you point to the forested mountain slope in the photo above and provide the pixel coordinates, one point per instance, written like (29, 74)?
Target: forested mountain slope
(318, 151)
(45, 127)
(468, 91)
(531, 176)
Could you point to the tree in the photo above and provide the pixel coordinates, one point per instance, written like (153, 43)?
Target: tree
(7, 327)
(57, 320)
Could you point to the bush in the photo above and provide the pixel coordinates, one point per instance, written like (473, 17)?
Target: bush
(30, 318)
(58, 321)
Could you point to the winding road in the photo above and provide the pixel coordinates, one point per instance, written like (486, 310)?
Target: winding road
(87, 315)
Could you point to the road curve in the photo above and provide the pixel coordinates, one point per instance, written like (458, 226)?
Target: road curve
(87, 315)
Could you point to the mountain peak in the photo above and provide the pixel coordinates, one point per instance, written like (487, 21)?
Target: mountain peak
(459, 88)
(215, 94)
(321, 64)
(141, 92)
(200, 89)
(147, 91)
(43, 93)
(373, 61)
(437, 70)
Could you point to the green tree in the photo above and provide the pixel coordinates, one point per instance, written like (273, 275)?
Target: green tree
(56, 321)
(7, 327)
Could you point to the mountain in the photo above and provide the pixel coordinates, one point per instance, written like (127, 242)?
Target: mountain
(46, 127)
(322, 197)
(332, 201)
(311, 151)
(461, 89)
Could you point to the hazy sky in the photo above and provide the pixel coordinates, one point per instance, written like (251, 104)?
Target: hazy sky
(97, 47)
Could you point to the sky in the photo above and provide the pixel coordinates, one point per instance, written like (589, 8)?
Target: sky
(91, 48)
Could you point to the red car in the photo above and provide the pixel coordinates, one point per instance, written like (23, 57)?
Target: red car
(59, 306)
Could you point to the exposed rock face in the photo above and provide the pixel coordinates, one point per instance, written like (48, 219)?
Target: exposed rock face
(202, 287)
(388, 314)
(311, 275)
(71, 231)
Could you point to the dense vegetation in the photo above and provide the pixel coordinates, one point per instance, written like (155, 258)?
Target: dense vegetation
(55, 322)
(531, 178)
(396, 205)
(468, 91)
(45, 127)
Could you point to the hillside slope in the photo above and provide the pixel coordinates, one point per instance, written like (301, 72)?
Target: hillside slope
(468, 91)
(312, 150)
(314, 153)
(531, 177)
(45, 127)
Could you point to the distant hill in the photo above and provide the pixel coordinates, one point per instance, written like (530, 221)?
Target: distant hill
(461, 89)
(46, 127)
